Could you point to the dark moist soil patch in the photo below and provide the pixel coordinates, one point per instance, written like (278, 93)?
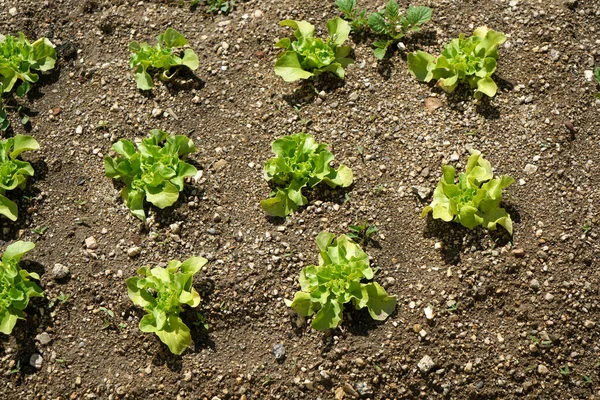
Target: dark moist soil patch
(508, 313)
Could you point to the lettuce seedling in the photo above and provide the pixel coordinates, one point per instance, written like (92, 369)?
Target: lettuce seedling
(472, 60)
(160, 57)
(15, 286)
(300, 162)
(326, 287)
(154, 172)
(391, 24)
(19, 58)
(307, 56)
(14, 172)
(162, 292)
(356, 17)
(475, 199)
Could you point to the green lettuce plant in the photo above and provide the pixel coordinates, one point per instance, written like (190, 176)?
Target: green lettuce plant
(326, 287)
(19, 58)
(300, 162)
(307, 56)
(160, 57)
(475, 199)
(470, 60)
(14, 172)
(18, 61)
(153, 172)
(162, 292)
(16, 288)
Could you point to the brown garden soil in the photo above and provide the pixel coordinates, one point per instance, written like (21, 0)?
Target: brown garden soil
(509, 312)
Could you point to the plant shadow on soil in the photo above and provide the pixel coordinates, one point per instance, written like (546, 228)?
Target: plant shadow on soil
(455, 237)
(309, 89)
(26, 330)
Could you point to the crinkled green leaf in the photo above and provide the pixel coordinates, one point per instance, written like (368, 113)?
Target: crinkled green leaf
(161, 58)
(300, 162)
(307, 56)
(470, 60)
(162, 292)
(418, 15)
(155, 171)
(325, 288)
(377, 23)
(16, 288)
(419, 65)
(475, 199)
(289, 68)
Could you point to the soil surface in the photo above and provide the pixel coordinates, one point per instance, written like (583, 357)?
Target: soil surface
(509, 312)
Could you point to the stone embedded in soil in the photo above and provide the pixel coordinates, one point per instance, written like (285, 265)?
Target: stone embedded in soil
(134, 251)
(90, 243)
(36, 361)
(60, 271)
(542, 369)
(426, 364)
(519, 253)
(530, 169)
(534, 284)
(278, 351)
(589, 324)
(44, 338)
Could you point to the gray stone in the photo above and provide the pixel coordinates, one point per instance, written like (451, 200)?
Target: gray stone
(60, 271)
(134, 251)
(426, 364)
(91, 243)
(542, 369)
(36, 361)
(279, 352)
(44, 338)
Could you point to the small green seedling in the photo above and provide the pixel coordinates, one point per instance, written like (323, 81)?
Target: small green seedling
(362, 233)
(222, 6)
(475, 199)
(161, 58)
(300, 162)
(587, 380)
(14, 172)
(470, 60)
(108, 315)
(564, 371)
(154, 172)
(453, 307)
(63, 298)
(40, 230)
(202, 321)
(326, 287)
(586, 227)
(16, 288)
(393, 26)
(306, 56)
(17, 368)
(162, 292)
(356, 17)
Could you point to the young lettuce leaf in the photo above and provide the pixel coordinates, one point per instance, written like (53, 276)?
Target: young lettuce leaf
(19, 58)
(14, 172)
(475, 199)
(326, 287)
(307, 56)
(162, 292)
(160, 57)
(154, 172)
(15, 286)
(472, 60)
(300, 162)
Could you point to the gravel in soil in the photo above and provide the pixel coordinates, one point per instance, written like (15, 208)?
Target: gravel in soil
(504, 315)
